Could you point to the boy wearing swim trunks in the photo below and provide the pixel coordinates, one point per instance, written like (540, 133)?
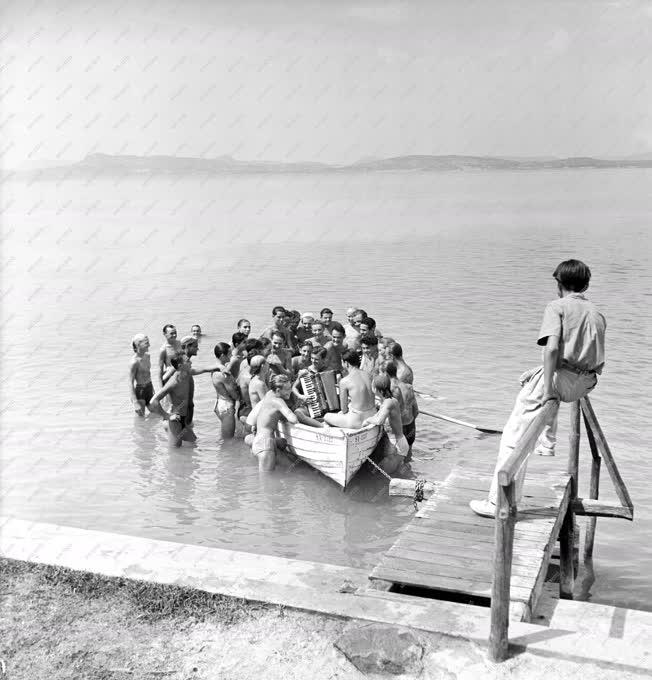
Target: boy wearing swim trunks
(140, 375)
(572, 333)
(272, 409)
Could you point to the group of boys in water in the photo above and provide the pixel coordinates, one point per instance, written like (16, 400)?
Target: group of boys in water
(258, 381)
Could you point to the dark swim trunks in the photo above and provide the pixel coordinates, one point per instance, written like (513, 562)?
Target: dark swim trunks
(145, 392)
(410, 432)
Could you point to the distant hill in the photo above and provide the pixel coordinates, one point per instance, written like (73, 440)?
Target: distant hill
(101, 163)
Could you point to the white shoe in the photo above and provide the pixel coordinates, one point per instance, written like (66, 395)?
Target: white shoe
(483, 508)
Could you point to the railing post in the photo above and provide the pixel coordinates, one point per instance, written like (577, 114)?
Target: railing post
(502, 569)
(574, 452)
(594, 490)
(566, 546)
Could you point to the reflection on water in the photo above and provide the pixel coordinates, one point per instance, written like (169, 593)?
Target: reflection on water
(456, 266)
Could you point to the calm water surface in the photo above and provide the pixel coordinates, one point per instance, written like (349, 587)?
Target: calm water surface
(456, 266)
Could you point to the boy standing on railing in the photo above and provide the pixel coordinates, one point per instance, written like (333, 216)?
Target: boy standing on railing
(572, 333)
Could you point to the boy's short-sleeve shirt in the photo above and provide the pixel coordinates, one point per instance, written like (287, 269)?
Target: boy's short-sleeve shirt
(580, 327)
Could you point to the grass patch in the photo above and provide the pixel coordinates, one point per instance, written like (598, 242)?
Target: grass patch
(153, 601)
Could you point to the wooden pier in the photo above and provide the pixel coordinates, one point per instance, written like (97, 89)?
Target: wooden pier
(451, 551)
(448, 548)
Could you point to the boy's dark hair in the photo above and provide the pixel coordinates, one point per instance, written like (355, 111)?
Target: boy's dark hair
(361, 311)
(383, 384)
(391, 369)
(397, 351)
(337, 326)
(351, 357)
(280, 335)
(278, 381)
(221, 348)
(321, 352)
(326, 310)
(241, 321)
(168, 325)
(175, 361)
(263, 343)
(238, 338)
(369, 339)
(279, 308)
(252, 343)
(573, 275)
(371, 322)
(307, 343)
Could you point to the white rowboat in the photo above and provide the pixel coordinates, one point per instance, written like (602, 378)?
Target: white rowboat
(337, 452)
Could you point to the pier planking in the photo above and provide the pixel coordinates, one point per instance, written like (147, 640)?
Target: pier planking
(446, 547)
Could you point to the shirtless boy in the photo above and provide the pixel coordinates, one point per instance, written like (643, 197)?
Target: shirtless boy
(178, 388)
(169, 349)
(279, 358)
(140, 376)
(408, 403)
(404, 372)
(259, 370)
(226, 389)
(326, 316)
(252, 349)
(317, 365)
(271, 410)
(335, 347)
(389, 412)
(318, 336)
(303, 360)
(244, 326)
(304, 331)
(195, 331)
(356, 395)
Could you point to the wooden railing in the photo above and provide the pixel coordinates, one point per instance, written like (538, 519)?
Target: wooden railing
(506, 512)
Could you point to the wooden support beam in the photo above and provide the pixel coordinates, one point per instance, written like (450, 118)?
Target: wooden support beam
(603, 447)
(596, 508)
(566, 571)
(574, 447)
(594, 491)
(502, 572)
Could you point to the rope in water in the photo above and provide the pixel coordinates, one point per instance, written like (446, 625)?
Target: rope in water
(382, 472)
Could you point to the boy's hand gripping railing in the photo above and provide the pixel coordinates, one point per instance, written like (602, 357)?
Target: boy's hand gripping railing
(504, 536)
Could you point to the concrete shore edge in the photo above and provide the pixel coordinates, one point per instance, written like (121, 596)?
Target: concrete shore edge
(328, 589)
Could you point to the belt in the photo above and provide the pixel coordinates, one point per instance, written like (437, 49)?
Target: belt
(575, 369)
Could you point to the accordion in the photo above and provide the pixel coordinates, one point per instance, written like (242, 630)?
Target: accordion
(321, 390)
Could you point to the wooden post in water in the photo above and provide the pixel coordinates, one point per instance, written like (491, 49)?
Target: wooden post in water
(566, 545)
(502, 567)
(573, 469)
(594, 490)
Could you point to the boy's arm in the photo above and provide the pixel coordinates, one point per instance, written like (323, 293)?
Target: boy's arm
(133, 368)
(295, 387)
(550, 356)
(380, 417)
(233, 390)
(155, 402)
(287, 412)
(161, 365)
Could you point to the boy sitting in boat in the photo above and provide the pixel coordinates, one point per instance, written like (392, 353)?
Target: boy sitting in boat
(264, 419)
(298, 400)
(356, 395)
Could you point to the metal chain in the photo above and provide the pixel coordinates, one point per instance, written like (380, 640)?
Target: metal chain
(418, 492)
(382, 472)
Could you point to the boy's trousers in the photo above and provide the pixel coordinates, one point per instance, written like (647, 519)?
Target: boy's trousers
(568, 386)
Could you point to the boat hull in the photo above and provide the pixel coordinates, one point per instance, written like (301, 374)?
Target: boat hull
(337, 453)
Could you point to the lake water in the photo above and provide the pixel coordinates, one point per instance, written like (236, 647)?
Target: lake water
(456, 266)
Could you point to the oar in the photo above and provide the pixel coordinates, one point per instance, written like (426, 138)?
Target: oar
(460, 422)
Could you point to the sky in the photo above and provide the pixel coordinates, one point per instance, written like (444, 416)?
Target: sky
(330, 81)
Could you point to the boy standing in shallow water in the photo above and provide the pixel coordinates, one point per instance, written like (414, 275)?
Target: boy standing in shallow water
(140, 376)
(572, 333)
